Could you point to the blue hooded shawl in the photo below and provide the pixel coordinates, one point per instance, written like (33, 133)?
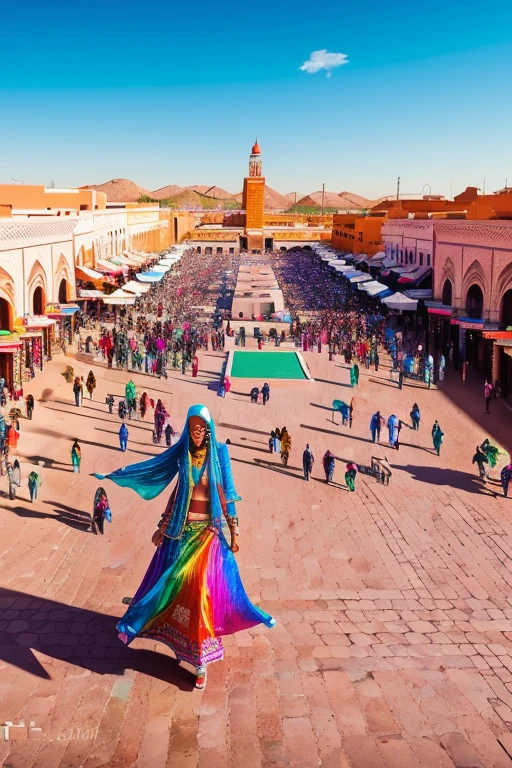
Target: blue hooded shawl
(150, 478)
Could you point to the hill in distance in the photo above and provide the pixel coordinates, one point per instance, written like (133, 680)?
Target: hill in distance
(273, 201)
(210, 197)
(120, 190)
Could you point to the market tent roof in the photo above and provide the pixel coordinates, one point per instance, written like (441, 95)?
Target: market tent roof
(374, 288)
(119, 301)
(125, 260)
(419, 293)
(415, 276)
(163, 268)
(361, 258)
(108, 266)
(342, 267)
(400, 301)
(120, 294)
(150, 277)
(83, 293)
(362, 278)
(377, 258)
(134, 287)
(90, 273)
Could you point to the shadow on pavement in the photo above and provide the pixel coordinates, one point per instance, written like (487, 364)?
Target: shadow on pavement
(244, 429)
(452, 478)
(335, 383)
(81, 521)
(46, 462)
(250, 447)
(78, 636)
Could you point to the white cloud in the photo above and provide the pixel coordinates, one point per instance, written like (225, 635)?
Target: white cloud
(323, 60)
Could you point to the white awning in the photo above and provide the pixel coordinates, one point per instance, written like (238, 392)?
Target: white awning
(119, 301)
(85, 294)
(91, 273)
(135, 287)
(401, 302)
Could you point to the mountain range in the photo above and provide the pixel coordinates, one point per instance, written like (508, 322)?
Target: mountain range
(207, 197)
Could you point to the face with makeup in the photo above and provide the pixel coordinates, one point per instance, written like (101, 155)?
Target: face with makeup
(197, 430)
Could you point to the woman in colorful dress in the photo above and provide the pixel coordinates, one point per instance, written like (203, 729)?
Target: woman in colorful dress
(90, 384)
(192, 592)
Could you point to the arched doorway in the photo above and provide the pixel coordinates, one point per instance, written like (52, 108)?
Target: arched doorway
(447, 293)
(63, 291)
(506, 308)
(5, 315)
(38, 301)
(475, 302)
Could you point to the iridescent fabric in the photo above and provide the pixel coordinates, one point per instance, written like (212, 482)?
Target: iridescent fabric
(192, 592)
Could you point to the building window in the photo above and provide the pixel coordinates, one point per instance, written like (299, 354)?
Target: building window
(198, 249)
(421, 259)
(428, 259)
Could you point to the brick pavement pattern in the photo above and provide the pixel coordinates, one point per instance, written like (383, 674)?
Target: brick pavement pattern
(393, 643)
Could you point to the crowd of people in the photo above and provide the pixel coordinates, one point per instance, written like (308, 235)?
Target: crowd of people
(168, 325)
(327, 310)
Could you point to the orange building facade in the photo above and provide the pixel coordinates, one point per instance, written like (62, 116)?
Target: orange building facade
(28, 200)
(358, 234)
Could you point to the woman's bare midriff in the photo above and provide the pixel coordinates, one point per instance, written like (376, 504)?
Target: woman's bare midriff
(198, 510)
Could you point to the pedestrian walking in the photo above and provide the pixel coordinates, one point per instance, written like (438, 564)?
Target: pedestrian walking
(254, 394)
(123, 436)
(415, 416)
(491, 452)
(271, 441)
(286, 446)
(29, 400)
(307, 461)
(328, 462)
(393, 424)
(487, 396)
(265, 391)
(354, 375)
(350, 476)
(121, 409)
(506, 477)
(437, 437)
(376, 360)
(34, 483)
(101, 511)
(76, 456)
(195, 366)
(109, 400)
(168, 434)
(78, 391)
(375, 425)
(90, 384)
(400, 379)
(481, 460)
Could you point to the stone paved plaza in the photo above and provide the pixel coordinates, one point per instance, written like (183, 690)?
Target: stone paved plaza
(393, 642)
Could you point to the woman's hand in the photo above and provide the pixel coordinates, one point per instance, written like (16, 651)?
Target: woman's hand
(157, 537)
(234, 545)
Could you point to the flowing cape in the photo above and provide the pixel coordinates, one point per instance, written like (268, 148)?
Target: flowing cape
(150, 478)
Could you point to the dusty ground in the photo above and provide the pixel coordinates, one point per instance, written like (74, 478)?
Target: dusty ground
(393, 643)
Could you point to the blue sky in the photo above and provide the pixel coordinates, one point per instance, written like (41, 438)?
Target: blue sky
(166, 92)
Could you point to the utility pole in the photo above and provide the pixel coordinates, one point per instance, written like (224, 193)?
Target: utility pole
(398, 188)
(484, 187)
(323, 197)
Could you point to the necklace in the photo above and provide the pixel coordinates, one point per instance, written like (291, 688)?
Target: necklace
(197, 458)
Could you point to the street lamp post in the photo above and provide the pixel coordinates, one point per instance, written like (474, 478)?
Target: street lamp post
(17, 180)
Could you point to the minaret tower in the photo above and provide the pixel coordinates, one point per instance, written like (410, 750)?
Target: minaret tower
(255, 164)
(254, 200)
